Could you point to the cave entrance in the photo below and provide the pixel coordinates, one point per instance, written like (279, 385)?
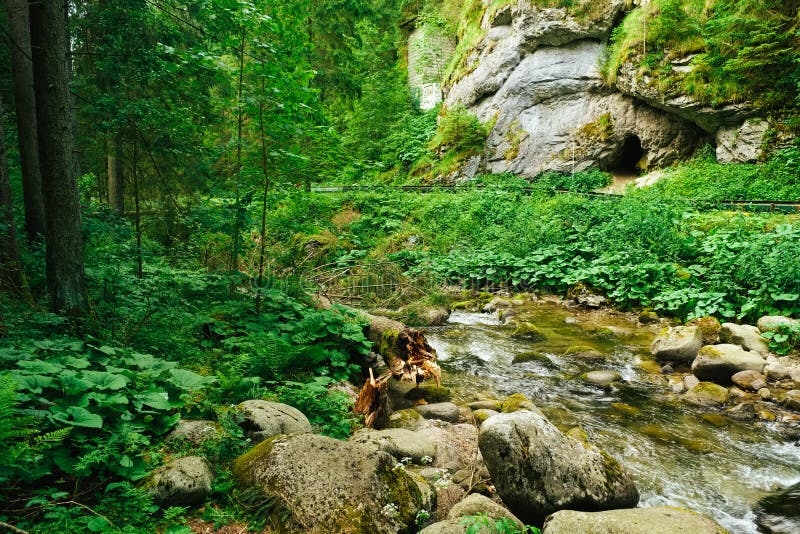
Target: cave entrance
(632, 153)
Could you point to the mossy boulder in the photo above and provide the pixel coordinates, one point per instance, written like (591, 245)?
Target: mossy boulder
(583, 352)
(182, 482)
(317, 484)
(537, 470)
(709, 327)
(648, 317)
(399, 442)
(602, 378)
(264, 419)
(707, 394)
(678, 344)
(430, 393)
(409, 419)
(482, 415)
(656, 520)
(517, 402)
(528, 332)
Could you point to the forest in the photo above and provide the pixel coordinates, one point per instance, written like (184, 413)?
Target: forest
(206, 204)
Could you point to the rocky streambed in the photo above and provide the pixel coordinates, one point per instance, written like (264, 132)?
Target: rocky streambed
(716, 447)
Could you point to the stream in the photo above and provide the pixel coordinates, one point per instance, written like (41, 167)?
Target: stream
(678, 455)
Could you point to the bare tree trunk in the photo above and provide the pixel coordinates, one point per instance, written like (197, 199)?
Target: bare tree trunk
(116, 180)
(64, 253)
(25, 101)
(11, 278)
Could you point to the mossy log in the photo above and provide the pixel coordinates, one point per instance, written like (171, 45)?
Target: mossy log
(409, 357)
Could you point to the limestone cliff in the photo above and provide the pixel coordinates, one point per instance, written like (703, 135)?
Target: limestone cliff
(534, 73)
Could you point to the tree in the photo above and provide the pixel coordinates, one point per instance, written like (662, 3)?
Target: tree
(25, 101)
(11, 279)
(64, 252)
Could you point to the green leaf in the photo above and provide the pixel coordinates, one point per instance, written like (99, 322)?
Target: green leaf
(156, 399)
(73, 385)
(185, 379)
(98, 524)
(79, 417)
(103, 380)
(40, 367)
(33, 383)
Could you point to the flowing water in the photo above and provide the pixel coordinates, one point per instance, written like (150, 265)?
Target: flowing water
(678, 455)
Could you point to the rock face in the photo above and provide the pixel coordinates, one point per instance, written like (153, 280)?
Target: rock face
(536, 73)
(537, 470)
(742, 144)
(678, 344)
(325, 485)
(182, 482)
(657, 520)
(264, 419)
(718, 363)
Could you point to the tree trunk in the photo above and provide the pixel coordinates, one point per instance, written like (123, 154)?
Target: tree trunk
(116, 181)
(11, 279)
(22, 66)
(64, 253)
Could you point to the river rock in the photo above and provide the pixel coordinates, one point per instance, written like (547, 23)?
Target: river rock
(779, 513)
(497, 303)
(749, 380)
(678, 344)
(483, 415)
(193, 431)
(264, 419)
(398, 442)
(602, 378)
(477, 504)
(771, 323)
(718, 363)
(485, 405)
(583, 352)
(765, 394)
(746, 336)
(182, 482)
(538, 470)
(456, 445)
(710, 328)
(320, 484)
(690, 381)
(528, 331)
(656, 520)
(776, 371)
(707, 394)
(792, 399)
(409, 419)
(517, 402)
(443, 411)
(647, 317)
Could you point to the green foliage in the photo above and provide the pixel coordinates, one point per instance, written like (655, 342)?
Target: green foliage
(785, 338)
(579, 182)
(330, 412)
(115, 401)
(483, 524)
(459, 131)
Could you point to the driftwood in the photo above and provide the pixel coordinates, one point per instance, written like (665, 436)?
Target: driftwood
(409, 357)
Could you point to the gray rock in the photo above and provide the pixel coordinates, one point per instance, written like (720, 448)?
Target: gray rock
(656, 520)
(743, 143)
(707, 394)
(448, 526)
(718, 363)
(678, 344)
(321, 484)
(538, 470)
(779, 513)
(770, 323)
(497, 303)
(690, 381)
(264, 419)
(792, 399)
(776, 371)
(602, 378)
(749, 380)
(443, 411)
(195, 432)
(456, 445)
(477, 504)
(746, 336)
(743, 411)
(765, 394)
(398, 442)
(483, 415)
(485, 405)
(182, 482)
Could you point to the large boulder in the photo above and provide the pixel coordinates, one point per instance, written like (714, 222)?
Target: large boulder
(656, 520)
(678, 344)
(771, 323)
(398, 442)
(182, 482)
(779, 513)
(746, 336)
(707, 394)
(443, 411)
(194, 431)
(320, 484)
(537, 470)
(718, 363)
(264, 419)
(456, 445)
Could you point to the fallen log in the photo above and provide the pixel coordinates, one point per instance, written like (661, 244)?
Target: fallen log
(409, 357)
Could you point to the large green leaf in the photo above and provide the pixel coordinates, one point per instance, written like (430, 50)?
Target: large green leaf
(157, 400)
(40, 367)
(103, 380)
(185, 379)
(76, 416)
(33, 383)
